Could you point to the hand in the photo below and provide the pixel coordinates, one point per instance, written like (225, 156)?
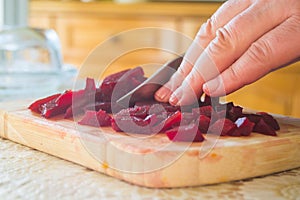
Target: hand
(243, 41)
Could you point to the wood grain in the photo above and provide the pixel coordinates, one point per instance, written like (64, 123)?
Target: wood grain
(154, 161)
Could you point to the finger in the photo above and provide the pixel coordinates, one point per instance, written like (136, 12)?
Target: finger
(275, 48)
(222, 16)
(203, 37)
(230, 43)
(163, 94)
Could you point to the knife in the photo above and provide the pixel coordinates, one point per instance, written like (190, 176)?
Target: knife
(146, 90)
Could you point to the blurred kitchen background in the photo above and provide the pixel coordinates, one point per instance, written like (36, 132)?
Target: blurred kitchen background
(81, 25)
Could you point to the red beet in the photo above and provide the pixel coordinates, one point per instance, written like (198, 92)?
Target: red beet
(108, 107)
(263, 128)
(132, 124)
(159, 106)
(233, 112)
(204, 122)
(269, 119)
(168, 122)
(244, 127)
(36, 106)
(96, 119)
(187, 118)
(253, 117)
(151, 116)
(223, 126)
(264, 123)
(140, 112)
(57, 106)
(187, 133)
(204, 110)
(123, 82)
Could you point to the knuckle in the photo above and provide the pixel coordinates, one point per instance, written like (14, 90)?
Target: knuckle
(225, 40)
(260, 52)
(181, 73)
(206, 31)
(238, 75)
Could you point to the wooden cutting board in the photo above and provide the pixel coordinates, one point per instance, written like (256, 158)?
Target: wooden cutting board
(154, 161)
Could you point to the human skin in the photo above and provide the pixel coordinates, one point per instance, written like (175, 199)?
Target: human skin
(243, 41)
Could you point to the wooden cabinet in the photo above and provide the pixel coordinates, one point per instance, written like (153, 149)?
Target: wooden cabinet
(83, 27)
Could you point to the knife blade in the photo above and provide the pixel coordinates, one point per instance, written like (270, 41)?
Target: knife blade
(147, 89)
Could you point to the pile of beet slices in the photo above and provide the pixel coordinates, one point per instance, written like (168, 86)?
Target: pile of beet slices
(186, 123)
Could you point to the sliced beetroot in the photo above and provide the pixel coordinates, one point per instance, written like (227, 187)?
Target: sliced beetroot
(57, 106)
(134, 120)
(131, 124)
(90, 85)
(270, 120)
(69, 112)
(159, 105)
(253, 117)
(233, 112)
(137, 111)
(244, 127)
(204, 122)
(36, 106)
(81, 98)
(187, 118)
(77, 106)
(168, 123)
(218, 115)
(115, 77)
(106, 106)
(137, 73)
(223, 126)
(151, 116)
(123, 82)
(96, 119)
(204, 110)
(262, 127)
(187, 133)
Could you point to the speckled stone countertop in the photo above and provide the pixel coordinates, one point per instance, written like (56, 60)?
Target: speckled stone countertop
(28, 174)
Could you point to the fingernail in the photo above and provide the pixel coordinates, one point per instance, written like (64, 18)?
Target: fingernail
(211, 86)
(162, 94)
(173, 100)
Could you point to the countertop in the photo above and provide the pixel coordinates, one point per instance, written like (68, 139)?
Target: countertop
(29, 174)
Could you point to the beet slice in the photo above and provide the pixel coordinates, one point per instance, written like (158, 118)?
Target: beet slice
(204, 122)
(187, 133)
(204, 110)
(161, 107)
(262, 127)
(223, 126)
(244, 127)
(137, 111)
(270, 120)
(126, 80)
(57, 106)
(96, 119)
(168, 122)
(82, 97)
(106, 106)
(187, 118)
(132, 124)
(36, 105)
(233, 112)
(253, 117)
